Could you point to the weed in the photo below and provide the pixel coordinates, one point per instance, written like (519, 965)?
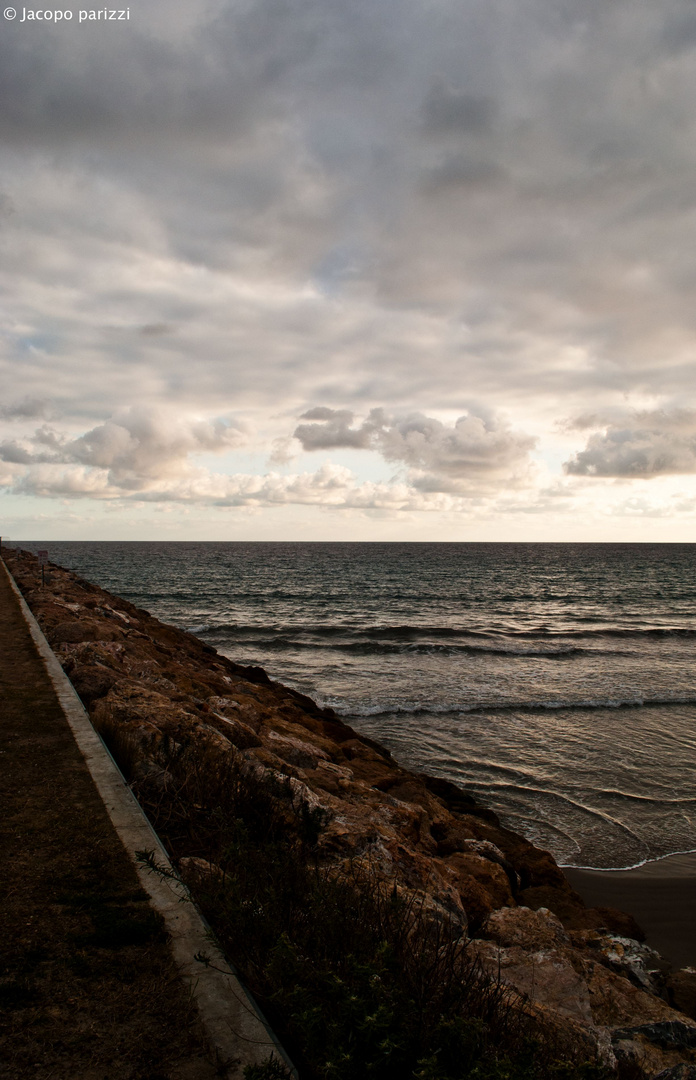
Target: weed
(273, 1069)
(122, 745)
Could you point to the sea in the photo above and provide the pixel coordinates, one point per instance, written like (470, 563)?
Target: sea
(555, 682)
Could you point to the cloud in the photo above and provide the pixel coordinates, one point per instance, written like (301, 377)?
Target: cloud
(28, 408)
(646, 445)
(149, 456)
(474, 449)
(331, 428)
(448, 109)
(331, 487)
(132, 450)
(259, 205)
(503, 196)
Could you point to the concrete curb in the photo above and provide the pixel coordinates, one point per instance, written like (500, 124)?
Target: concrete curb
(237, 1030)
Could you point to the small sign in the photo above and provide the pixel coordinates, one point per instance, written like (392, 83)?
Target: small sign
(42, 556)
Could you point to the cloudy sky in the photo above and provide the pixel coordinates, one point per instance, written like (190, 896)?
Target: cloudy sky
(350, 269)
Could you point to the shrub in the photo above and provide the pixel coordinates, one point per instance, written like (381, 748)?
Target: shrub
(357, 978)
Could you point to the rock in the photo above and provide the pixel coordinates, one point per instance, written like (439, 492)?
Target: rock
(488, 874)
(457, 800)
(616, 1002)
(546, 977)
(681, 991)
(91, 683)
(639, 963)
(239, 734)
(476, 901)
(667, 1034)
(678, 1072)
(300, 752)
(655, 1048)
(534, 930)
(84, 630)
(571, 910)
(619, 922)
(191, 868)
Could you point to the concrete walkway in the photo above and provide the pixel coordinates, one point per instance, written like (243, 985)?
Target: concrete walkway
(89, 987)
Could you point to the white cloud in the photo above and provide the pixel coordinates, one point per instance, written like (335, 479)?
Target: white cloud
(151, 457)
(330, 487)
(475, 450)
(133, 449)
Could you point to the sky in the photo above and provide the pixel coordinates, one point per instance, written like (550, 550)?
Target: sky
(348, 270)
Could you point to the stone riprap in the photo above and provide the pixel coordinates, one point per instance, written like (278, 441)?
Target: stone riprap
(583, 966)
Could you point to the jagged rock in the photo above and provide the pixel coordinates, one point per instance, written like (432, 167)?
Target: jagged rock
(681, 991)
(84, 630)
(616, 1002)
(91, 682)
(489, 875)
(532, 930)
(571, 910)
(545, 976)
(667, 1034)
(476, 900)
(636, 961)
(300, 752)
(678, 1072)
(239, 734)
(655, 1048)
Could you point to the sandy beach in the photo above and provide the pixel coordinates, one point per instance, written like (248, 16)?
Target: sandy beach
(661, 895)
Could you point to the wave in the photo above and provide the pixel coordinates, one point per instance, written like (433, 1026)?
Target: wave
(648, 861)
(549, 796)
(410, 632)
(386, 648)
(419, 709)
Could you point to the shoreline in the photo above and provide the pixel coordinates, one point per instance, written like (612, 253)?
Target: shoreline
(647, 865)
(151, 689)
(660, 895)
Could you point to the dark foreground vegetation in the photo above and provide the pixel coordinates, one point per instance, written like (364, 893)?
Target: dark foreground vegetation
(88, 986)
(357, 978)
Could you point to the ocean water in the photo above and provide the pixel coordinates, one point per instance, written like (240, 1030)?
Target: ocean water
(553, 681)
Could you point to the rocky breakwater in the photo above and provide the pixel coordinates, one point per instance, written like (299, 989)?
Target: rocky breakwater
(583, 968)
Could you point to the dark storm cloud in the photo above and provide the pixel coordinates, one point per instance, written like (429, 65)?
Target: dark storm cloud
(449, 110)
(28, 408)
(679, 32)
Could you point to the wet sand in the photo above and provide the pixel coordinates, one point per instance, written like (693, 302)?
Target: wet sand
(660, 895)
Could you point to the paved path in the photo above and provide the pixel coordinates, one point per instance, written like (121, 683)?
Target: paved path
(88, 988)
